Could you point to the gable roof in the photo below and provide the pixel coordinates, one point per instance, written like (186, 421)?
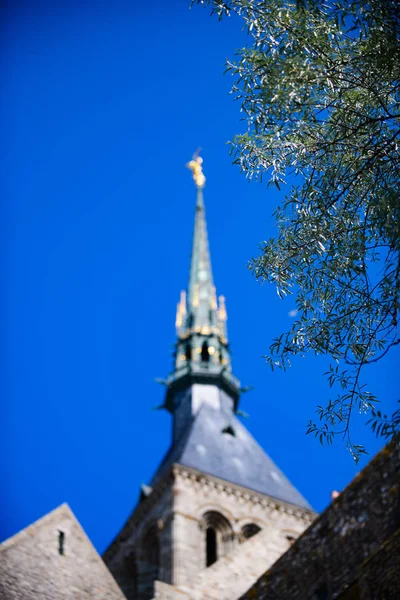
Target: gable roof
(53, 559)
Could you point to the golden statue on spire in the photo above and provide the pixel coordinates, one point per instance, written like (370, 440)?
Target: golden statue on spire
(195, 166)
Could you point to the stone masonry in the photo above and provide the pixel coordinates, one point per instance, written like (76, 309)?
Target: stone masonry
(53, 559)
(230, 576)
(352, 551)
(177, 507)
(196, 494)
(124, 557)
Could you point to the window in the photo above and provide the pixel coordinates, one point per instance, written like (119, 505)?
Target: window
(218, 536)
(211, 546)
(229, 430)
(249, 530)
(205, 357)
(61, 540)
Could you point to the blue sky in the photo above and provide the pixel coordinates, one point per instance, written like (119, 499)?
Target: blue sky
(104, 105)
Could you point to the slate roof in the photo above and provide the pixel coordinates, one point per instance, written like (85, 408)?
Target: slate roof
(235, 458)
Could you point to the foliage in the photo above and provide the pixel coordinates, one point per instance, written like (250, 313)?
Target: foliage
(388, 428)
(319, 85)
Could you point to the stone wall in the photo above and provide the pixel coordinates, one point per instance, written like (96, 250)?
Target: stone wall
(196, 494)
(179, 509)
(380, 575)
(347, 552)
(229, 577)
(128, 556)
(53, 559)
(232, 575)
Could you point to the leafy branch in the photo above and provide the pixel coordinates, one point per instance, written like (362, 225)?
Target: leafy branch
(318, 85)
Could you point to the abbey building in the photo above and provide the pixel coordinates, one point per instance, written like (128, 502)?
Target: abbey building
(218, 520)
(216, 486)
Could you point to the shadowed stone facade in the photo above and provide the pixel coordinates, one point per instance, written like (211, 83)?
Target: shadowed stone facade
(352, 551)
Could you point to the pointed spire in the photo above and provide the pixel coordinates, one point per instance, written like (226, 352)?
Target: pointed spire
(202, 351)
(200, 324)
(201, 293)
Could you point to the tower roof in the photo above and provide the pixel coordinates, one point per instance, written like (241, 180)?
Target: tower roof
(218, 444)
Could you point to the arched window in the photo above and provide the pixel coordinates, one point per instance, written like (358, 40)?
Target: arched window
(149, 564)
(218, 536)
(188, 351)
(205, 357)
(249, 530)
(211, 546)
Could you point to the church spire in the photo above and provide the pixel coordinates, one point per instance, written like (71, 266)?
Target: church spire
(201, 292)
(202, 313)
(202, 352)
(201, 284)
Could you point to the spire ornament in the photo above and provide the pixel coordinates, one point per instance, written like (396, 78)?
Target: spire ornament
(222, 314)
(222, 319)
(213, 299)
(195, 166)
(180, 311)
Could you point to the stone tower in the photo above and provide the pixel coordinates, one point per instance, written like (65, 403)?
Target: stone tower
(215, 487)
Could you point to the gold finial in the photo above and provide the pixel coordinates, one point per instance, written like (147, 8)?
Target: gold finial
(180, 310)
(195, 166)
